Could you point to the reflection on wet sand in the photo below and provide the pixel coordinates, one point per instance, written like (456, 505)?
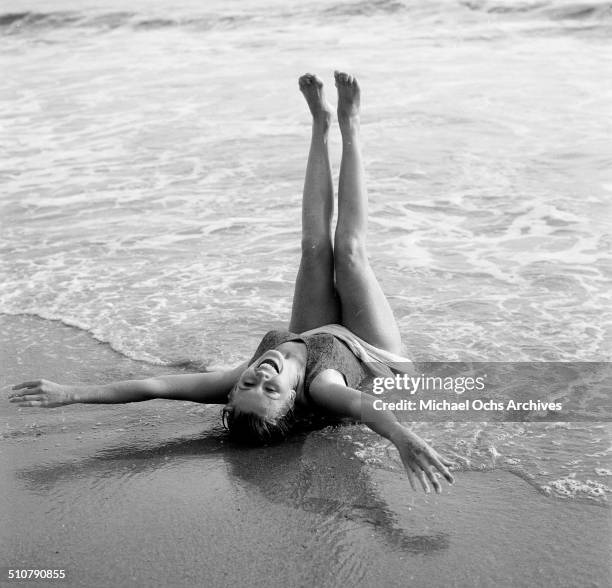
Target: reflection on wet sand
(309, 473)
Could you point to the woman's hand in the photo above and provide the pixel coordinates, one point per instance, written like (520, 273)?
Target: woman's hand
(41, 393)
(420, 460)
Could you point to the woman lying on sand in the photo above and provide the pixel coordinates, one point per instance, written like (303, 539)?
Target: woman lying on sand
(345, 322)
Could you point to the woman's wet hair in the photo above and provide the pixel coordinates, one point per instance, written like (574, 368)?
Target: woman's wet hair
(252, 429)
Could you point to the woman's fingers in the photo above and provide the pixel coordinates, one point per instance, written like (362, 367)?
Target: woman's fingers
(445, 461)
(31, 384)
(38, 393)
(31, 403)
(437, 462)
(411, 477)
(27, 398)
(433, 478)
(423, 479)
(415, 472)
(34, 397)
(25, 389)
(422, 461)
(428, 471)
(26, 392)
(424, 468)
(432, 457)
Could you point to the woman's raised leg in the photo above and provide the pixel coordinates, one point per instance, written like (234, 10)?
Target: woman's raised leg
(365, 309)
(315, 302)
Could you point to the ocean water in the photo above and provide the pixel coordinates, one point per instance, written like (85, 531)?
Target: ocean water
(152, 161)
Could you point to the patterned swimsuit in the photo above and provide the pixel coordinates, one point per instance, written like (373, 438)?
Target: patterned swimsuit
(324, 351)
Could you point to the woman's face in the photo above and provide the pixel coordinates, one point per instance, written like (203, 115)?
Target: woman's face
(266, 386)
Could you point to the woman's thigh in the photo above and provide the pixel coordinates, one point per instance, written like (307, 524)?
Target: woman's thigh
(315, 301)
(365, 308)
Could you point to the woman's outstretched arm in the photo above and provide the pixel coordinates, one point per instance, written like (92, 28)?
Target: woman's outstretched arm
(208, 388)
(420, 460)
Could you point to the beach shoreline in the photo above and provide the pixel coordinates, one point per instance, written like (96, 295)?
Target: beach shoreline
(153, 494)
(153, 170)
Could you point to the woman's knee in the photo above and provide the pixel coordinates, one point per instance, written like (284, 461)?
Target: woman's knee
(316, 250)
(350, 253)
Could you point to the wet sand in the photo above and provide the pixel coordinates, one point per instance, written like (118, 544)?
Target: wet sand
(152, 494)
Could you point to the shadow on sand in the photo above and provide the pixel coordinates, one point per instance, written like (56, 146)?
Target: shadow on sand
(311, 472)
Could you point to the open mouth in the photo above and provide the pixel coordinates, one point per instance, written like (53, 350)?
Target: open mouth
(272, 363)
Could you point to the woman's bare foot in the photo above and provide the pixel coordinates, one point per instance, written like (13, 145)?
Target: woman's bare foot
(348, 101)
(312, 88)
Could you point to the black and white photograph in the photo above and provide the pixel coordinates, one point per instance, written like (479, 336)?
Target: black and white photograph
(306, 294)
